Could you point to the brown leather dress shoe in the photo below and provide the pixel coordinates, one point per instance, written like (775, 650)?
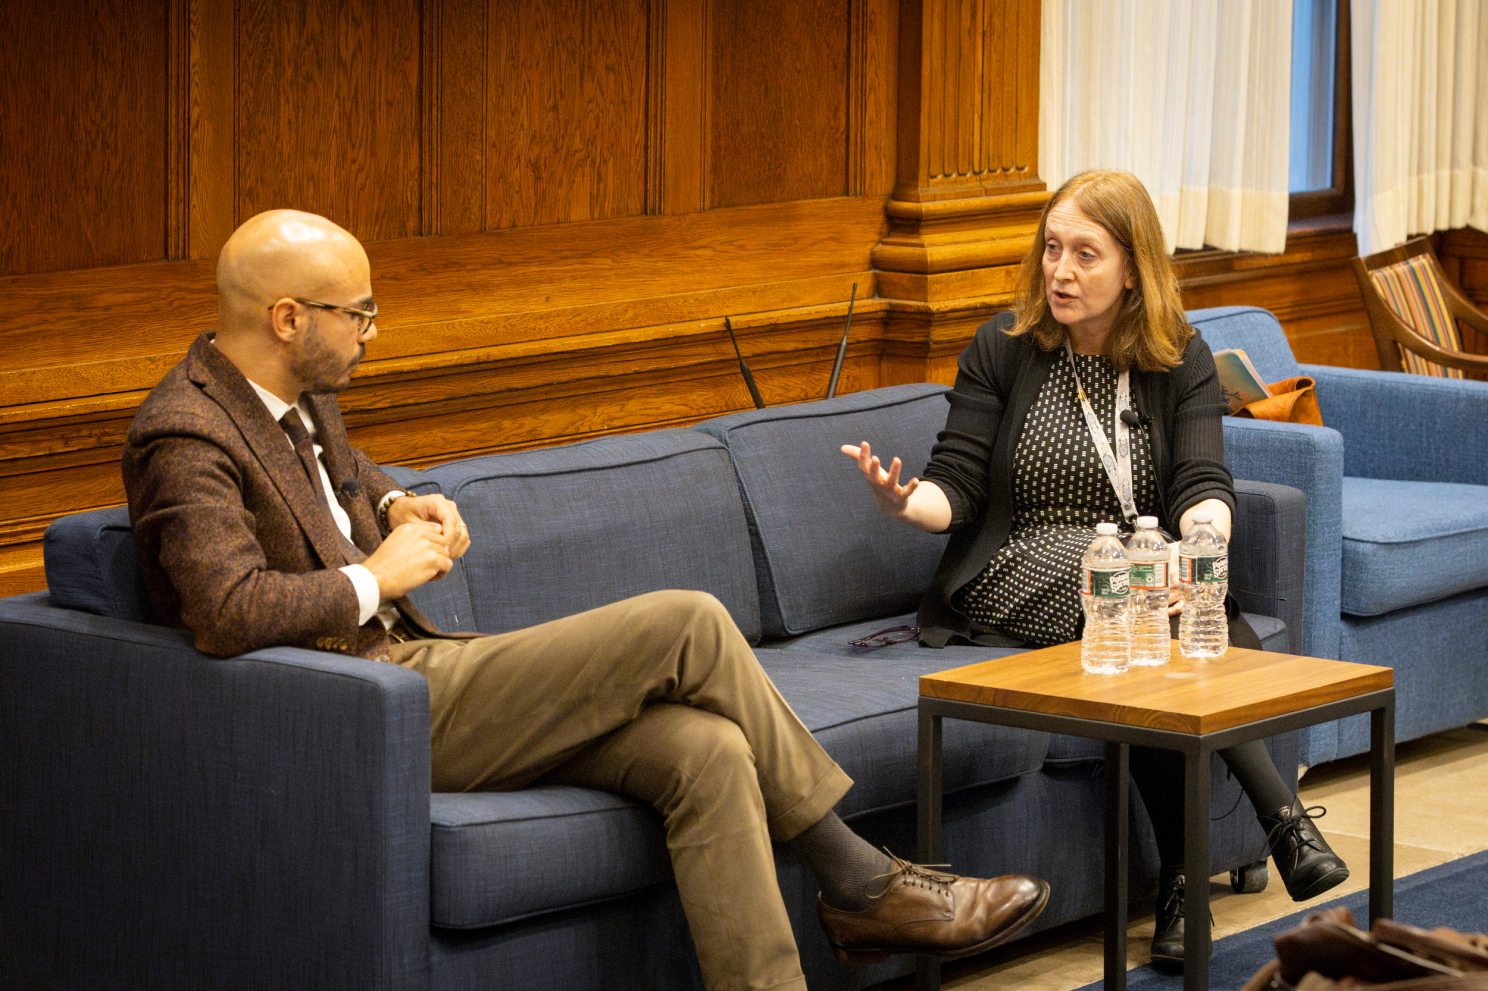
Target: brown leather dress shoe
(925, 911)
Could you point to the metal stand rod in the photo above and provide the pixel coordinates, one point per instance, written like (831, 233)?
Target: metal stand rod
(1382, 812)
(927, 969)
(1196, 869)
(1118, 795)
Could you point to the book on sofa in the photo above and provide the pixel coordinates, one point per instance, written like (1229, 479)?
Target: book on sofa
(1238, 378)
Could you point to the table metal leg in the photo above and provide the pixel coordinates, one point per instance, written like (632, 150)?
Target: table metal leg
(1117, 869)
(1197, 754)
(930, 787)
(1196, 869)
(1382, 811)
(927, 973)
(927, 969)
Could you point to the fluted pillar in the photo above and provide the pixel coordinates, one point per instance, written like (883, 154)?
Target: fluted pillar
(967, 191)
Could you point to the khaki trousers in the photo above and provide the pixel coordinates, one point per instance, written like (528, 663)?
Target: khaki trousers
(658, 698)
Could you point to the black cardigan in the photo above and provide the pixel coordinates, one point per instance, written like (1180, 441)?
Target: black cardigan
(998, 379)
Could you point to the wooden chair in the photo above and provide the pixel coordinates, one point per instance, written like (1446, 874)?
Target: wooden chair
(1421, 322)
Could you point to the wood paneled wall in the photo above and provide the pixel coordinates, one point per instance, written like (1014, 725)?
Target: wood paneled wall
(1310, 287)
(82, 177)
(565, 100)
(1464, 257)
(561, 201)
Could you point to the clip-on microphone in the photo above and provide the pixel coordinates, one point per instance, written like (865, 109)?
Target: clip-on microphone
(1132, 418)
(744, 366)
(842, 345)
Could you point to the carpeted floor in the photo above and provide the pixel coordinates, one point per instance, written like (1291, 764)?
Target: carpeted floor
(1454, 894)
(1441, 823)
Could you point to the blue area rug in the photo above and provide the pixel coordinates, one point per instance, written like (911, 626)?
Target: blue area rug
(1454, 894)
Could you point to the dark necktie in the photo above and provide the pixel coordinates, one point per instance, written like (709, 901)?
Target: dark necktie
(305, 448)
(416, 624)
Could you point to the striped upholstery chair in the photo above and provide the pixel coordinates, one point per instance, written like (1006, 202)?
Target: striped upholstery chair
(1421, 322)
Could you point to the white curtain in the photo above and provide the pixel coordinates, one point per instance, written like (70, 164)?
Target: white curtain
(1192, 96)
(1420, 71)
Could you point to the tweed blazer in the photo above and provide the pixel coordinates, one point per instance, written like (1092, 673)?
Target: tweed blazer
(233, 542)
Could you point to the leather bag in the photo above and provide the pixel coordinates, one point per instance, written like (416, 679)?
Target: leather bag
(1292, 400)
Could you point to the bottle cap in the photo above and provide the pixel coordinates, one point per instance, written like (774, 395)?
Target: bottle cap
(1106, 529)
(1146, 522)
(1203, 516)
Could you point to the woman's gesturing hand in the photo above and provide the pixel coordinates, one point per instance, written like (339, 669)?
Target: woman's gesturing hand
(918, 503)
(892, 498)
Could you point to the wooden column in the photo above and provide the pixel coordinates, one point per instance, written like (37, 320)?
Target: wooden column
(967, 192)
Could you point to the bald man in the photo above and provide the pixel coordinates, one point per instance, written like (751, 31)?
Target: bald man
(257, 525)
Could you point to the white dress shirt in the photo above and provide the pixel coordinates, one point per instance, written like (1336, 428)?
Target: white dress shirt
(369, 596)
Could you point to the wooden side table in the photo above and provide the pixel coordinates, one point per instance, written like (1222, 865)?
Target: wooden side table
(1193, 707)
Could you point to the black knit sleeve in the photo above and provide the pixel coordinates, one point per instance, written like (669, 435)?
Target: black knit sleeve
(1197, 434)
(960, 460)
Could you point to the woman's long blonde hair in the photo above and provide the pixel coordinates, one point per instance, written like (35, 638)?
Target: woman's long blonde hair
(1151, 329)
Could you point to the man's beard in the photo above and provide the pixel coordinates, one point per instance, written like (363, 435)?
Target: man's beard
(321, 367)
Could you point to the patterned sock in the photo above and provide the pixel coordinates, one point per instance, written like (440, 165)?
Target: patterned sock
(849, 870)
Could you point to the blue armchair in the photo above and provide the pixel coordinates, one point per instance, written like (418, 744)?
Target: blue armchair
(1397, 525)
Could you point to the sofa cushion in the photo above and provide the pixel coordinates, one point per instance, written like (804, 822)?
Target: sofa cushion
(838, 640)
(1405, 543)
(1061, 749)
(1271, 631)
(90, 565)
(824, 553)
(563, 529)
(863, 710)
(500, 856)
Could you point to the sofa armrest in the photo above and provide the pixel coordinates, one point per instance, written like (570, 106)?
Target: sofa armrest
(1267, 553)
(1410, 427)
(1309, 459)
(174, 820)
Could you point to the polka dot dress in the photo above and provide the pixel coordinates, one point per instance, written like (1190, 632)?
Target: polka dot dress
(1031, 588)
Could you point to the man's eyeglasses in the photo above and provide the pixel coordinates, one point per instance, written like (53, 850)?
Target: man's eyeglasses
(886, 638)
(362, 318)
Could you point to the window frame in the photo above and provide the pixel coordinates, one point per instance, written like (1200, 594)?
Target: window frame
(1333, 206)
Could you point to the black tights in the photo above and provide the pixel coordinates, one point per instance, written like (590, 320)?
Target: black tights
(1158, 774)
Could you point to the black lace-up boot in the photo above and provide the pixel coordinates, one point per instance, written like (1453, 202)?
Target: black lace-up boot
(1305, 861)
(1167, 939)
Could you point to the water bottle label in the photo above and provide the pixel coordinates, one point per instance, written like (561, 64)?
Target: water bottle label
(1106, 584)
(1203, 570)
(1149, 575)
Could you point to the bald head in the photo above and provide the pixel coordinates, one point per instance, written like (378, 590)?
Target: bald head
(273, 259)
(282, 253)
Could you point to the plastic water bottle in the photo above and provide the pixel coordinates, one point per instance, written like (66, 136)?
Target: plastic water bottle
(1150, 629)
(1105, 647)
(1204, 577)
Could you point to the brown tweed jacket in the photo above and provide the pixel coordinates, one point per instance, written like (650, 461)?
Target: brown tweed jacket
(233, 542)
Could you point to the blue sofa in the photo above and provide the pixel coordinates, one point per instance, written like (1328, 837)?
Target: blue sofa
(173, 820)
(1397, 526)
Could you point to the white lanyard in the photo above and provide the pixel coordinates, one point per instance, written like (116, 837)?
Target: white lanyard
(1118, 465)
